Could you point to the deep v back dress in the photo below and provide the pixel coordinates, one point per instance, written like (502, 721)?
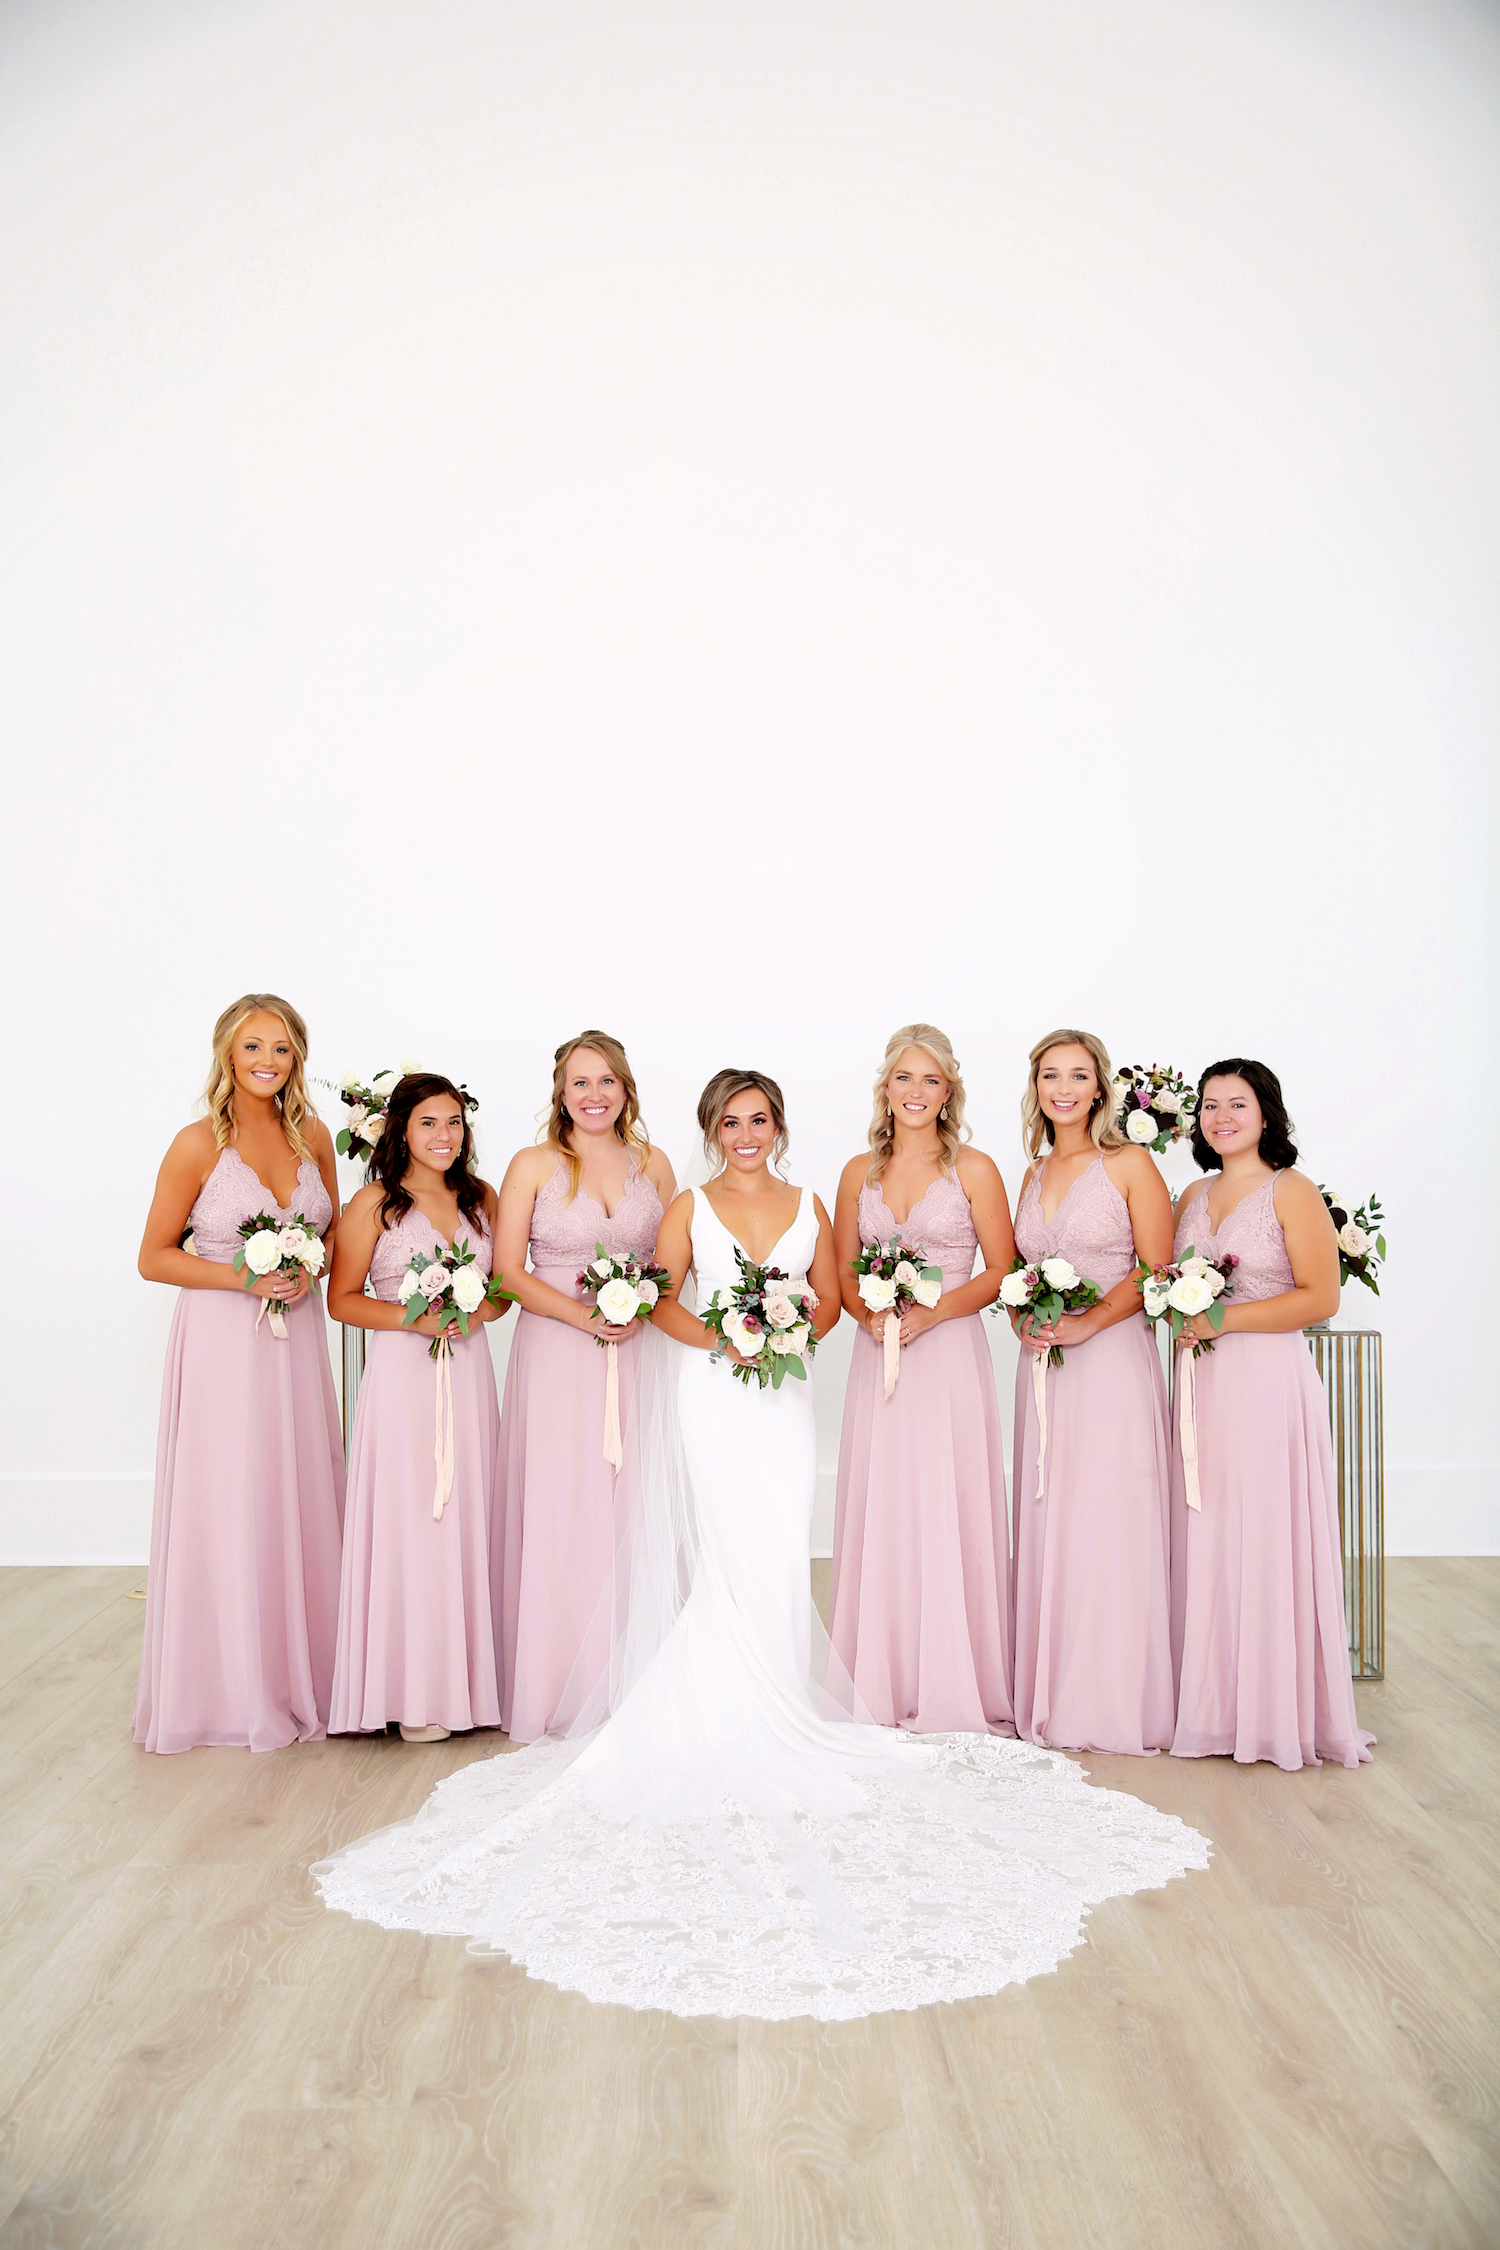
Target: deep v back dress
(555, 1532)
(1093, 1641)
(724, 1843)
(1258, 1621)
(922, 1612)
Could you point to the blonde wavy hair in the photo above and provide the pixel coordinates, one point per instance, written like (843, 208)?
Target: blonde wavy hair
(1103, 1130)
(715, 1100)
(952, 1131)
(557, 1129)
(296, 1109)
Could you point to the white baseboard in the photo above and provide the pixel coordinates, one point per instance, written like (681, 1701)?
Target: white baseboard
(1431, 1509)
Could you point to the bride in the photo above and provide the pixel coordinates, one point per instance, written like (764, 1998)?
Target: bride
(720, 1833)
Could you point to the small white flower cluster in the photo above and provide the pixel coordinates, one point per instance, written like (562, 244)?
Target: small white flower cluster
(782, 1329)
(366, 1106)
(290, 1246)
(880, 1291)
(466, 1283)
(1153, 1104)
(1016, 1289)
(1193, 1291)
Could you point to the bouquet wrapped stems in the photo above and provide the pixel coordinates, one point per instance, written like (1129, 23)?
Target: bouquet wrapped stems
(623, 1289)
(451, 1286)
(890, 1279)
(1044, 1289)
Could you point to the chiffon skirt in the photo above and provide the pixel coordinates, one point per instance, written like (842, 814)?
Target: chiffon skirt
(922, 1615)
(1093, 1642)
(1258, 1631)
(242, 1597)
(416, 1633)
(552, 1558)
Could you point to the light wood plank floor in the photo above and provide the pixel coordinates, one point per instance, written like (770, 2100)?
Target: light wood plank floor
(1297, 2048)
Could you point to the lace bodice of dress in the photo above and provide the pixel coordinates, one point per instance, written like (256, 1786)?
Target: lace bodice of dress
(939, 1222)
(1252, 1231)
(232, 1193)
(1090, 1228)
(412, 1232)
(714, 1246)
(564, 1233)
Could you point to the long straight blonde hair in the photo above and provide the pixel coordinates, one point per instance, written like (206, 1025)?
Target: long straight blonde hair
(952, 1131)
(296, 1110)
(1036, 1127)
(557, 1132)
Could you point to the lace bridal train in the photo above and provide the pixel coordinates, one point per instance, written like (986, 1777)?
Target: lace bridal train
(728, 1841)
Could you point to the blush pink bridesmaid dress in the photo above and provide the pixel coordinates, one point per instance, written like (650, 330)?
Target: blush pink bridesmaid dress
(921, 1615)
(416, 1632)
(242, 1596)
(552, 1556)
(1258, 1630)
(1093, 1644)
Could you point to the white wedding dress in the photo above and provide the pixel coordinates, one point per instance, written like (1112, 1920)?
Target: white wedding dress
(729, 1841)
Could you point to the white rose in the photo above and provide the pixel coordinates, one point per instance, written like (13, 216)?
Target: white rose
(780, 1310)
(790, 1341)
(1195, 1264)
(468, 1289)
(1141, 1126)
(905, 1274)
(410, 1283)
(385, 1085)
(1167, 1102)
(356, 1118)
(263, 1252)
(602, 1268)
(1353, 1240)
(1215, 1280)
(433, 1280)
(618, 1303)
(1058, 1274)
(926, 1292)
(348, 1084)
(303, 1245)
(877, 1292)
(369, 1128)
(750, 1347)
(409, 1067)
(1015, 1288)
(1155, 1298)
(648, 1292)
(1191, 1294)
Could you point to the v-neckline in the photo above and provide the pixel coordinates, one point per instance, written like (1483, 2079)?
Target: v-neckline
(609, 1217)
(734, 1238)
(1073, 1186)
(231, 1150)
(902, 1224)
(1216, 1227)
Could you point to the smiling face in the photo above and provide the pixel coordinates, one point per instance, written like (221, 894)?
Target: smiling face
(747, 1131)
(262, 1055)
(435, 1133)
(1066, 1085)
(1230, 1118)
(916, 1089)
(593, 1094)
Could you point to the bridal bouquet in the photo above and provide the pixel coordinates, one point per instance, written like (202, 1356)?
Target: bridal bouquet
(1045, 1290)
(1191, 1285)
(450, 1285)
(623, 1290)
(1154, 1105)
(270, 1246)
(890, 1279)
(767, 1321)
(1361, 1242)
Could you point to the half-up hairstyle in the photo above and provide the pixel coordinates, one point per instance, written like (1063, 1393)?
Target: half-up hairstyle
(714, 1102)
(952, 1131)
(1036, 1127)
(296, 1110)
(557, 1130)
(391, 1156)
(1277, 1148)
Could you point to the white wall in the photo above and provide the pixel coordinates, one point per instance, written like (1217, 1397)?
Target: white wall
(744, 525)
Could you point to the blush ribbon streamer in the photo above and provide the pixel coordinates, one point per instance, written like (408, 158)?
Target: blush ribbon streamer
(442, 1435)
(1039, 1393)
(891, 1347)
(1188, 1427)
(614, 1452)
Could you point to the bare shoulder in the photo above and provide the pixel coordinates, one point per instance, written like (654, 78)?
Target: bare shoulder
(319, 1140)
(1192, 1191)
(491, 1205)
(855, 1173)
(365, 1202)
(1295, 1194)
(823, 1218)
(530, 1168)
(195, 1141)
(659, 1172)
(1129, 1166)
(976, 1170)
(680, 1208)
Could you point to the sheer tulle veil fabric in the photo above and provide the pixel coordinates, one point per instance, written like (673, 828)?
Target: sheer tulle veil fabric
(721, 1832)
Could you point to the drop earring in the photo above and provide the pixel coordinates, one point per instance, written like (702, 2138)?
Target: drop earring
(942, 1113)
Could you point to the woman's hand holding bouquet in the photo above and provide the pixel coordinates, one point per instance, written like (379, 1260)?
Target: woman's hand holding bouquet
(890, 1280)
(765, 1323)
(624, 1290)
(279, 1261)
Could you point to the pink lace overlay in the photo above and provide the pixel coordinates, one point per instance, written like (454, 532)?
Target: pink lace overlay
(414, 1231)
(233, 1193)
(1090, 1227)
(563, 1234)
(939, 1222)
(1251, 1230)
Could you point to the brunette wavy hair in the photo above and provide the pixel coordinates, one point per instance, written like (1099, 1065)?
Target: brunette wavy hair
(716, 1098)
(391, 1156)
(1277, 1148)
(297, 1111)
(1036, 1125)
(952, 1131)
(557, 1129)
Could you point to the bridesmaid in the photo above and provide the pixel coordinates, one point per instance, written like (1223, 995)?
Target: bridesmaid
(416, 1637)
(595, 1178)
(1258, 1628)
(1093, 1644)
(242, 1602)
(922, 1614)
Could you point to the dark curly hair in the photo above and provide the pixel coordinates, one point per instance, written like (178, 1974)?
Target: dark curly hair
(1277, 1148)
(391, 1155)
